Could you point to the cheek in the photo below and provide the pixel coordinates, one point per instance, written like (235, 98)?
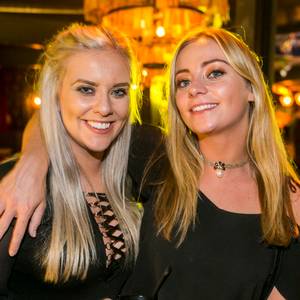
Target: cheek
(122, 109)
(181, 104)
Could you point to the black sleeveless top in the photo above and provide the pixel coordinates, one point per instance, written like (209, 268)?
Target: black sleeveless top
(223, 257)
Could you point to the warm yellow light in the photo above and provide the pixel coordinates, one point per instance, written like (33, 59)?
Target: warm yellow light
(134, 86)
(160, 31)
(37, 101)
(297, 98)
(280, 90)
(157, 100)
(145, 73)
(143, 24)
(286, 101)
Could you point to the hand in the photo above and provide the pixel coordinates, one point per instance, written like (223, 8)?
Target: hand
(22, 197)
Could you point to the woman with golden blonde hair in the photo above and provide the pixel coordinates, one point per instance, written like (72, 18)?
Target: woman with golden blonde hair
(223, 223)
(88, 238)
(227, 208)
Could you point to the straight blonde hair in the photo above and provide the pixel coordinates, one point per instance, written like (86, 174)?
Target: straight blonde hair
(71, 247)
(176, 204)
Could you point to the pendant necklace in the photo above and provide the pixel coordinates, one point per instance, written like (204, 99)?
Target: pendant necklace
(220, 167)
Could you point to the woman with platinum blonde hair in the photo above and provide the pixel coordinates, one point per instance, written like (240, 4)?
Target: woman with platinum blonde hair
(223, 223)
(88, 238)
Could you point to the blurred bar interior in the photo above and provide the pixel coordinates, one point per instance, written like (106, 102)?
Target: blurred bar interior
(271, 27)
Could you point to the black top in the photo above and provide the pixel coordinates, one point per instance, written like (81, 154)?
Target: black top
(21, 277)
(289, 276)
(223, 257)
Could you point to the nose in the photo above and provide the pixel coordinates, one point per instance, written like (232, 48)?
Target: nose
(197, 87)
(103, 105)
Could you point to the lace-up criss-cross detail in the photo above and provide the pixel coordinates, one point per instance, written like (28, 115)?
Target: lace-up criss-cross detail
(108, 225)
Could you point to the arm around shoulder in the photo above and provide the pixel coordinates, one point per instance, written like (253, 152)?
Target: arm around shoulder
(22, 189)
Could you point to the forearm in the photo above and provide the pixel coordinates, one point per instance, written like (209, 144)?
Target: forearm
(22, 189)
(33, 162)
(32, 142)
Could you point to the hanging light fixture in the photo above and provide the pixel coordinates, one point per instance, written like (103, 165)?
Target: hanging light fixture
(156, 25)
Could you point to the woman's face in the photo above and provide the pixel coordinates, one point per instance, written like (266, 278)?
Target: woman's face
(210, 95)
(94, 98)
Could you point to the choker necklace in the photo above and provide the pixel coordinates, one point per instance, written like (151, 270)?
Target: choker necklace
(220, 167)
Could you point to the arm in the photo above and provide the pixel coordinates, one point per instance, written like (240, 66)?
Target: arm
(22, 190)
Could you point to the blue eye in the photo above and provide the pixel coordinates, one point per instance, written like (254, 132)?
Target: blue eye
(215, 74)
(86, 90)
(119, 93)
(181, 84)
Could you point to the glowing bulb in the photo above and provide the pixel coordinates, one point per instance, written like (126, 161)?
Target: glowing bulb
(297, 98)
(145, 73)
(134, 86)
(143, 24)
(286, 101)
(160, 31)
(283, 73)
(37, 101)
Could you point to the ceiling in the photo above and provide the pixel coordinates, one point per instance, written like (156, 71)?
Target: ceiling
(27, 24)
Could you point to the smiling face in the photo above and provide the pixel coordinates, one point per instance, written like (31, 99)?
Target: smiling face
(211, 96)
(94, 98)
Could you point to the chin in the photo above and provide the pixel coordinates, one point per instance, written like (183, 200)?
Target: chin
(204, 131)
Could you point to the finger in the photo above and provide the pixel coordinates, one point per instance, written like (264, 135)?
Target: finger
(2, 208)
(36, 219)
(5, 221)
(18, 234)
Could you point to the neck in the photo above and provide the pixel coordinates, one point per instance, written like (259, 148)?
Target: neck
(223, 148)
(90, 169)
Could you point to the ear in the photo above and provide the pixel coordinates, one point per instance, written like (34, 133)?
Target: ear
(250, 97)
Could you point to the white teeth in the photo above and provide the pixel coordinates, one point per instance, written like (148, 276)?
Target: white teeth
(98, 125)
(204, 107)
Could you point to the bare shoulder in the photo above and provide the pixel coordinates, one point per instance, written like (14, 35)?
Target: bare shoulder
(295, 198)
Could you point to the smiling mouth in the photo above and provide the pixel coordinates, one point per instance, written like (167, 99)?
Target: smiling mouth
(99, 125)
(203, 107)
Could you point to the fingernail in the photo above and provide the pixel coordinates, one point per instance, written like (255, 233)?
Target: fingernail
(12, 252)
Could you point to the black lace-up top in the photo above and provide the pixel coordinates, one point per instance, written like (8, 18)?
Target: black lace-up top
(21, 277)
(108, 225)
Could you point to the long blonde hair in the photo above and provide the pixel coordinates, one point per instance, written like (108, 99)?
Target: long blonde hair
(71, 247)
(176, 204)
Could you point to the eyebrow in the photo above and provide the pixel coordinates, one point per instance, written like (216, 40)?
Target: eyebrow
(85, 81)
(95, 84)
(121, 84)
(205, 63)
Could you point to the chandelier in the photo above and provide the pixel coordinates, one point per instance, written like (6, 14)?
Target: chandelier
(156, 25)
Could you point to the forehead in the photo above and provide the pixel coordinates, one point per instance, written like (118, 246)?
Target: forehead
(96, 61)
(200, 50)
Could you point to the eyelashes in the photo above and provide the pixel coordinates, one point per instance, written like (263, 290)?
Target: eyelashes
(86, 90)
(210, 76)
(119, 93)
(91, 91)
(183, 83)
(215, 74)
